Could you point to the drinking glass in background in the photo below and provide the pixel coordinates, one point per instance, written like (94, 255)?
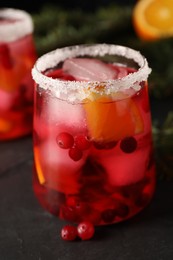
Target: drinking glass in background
(92, 133)
(17, 56)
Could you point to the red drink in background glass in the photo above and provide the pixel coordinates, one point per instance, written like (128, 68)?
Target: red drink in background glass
(92, 133)
(17, 56)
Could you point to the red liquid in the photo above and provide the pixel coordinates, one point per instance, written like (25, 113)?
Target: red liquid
(16, 87)
(79, 178)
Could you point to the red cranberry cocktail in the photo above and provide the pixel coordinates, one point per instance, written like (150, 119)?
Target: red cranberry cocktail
(17, 56)
(92, 133)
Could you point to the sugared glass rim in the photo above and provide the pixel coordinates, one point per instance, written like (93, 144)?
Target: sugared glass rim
(21, 27)
(80, 90)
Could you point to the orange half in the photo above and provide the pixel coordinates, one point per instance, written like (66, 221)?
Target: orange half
(153, 19)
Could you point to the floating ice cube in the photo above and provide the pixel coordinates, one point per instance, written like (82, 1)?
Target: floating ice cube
(122, 72)
(126, 169)
(59, 170)
(63, 113)
(84, 69)
(52, 154)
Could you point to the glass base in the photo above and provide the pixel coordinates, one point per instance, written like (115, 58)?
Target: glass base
(97, 206)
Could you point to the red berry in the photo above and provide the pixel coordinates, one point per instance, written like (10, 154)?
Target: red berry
(85, 230)
(80, 208)
(122, 211)
(128, 145)
(108, 215)
(65, 140)
(69, 213)
(75, 154)
(82, 142)
(68, 233)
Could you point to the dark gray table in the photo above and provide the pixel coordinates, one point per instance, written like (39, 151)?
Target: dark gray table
(28, 232)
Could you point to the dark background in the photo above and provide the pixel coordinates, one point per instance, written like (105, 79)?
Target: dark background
(34, 6)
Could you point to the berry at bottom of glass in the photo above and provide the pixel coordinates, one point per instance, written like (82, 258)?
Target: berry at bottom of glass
(17, 57)
(93, 148)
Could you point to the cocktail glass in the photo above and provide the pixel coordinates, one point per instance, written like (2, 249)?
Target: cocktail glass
(17, 56)
(93, 148)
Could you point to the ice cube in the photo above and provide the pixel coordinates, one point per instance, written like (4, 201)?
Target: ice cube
(52, 154)
(126, 169)
(122, 72)
(63, 113)
(84, 69)
(59, 170)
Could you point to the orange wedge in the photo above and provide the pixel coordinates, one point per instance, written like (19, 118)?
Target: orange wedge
(108, 120)
(153, 19)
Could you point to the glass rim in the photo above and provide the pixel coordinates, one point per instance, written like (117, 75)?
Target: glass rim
(21, 27)
(80, 90)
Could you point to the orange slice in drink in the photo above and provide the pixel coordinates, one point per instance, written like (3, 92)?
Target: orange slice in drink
(110, 120)
(153, 19)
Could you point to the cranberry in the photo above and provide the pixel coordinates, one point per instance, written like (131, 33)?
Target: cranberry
(75, 154)
(65, 140)
(79, 207)
(128, 145)
(108, 215)
(85, 230)
(122, 211)
(69, 213)
(104, 145)
(69, 233)
(93, 216)
(72, 200)
(82, 142)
